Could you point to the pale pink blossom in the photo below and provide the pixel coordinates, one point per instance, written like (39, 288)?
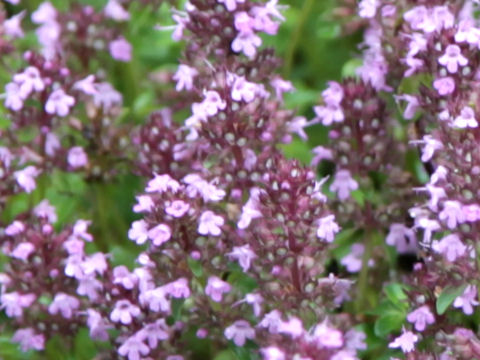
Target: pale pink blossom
(244, 255)
(421, 317)
(26, 178)
(343, 183)
(77, 157)
(406, 341)
(29, 340)
(115, 11)
(453, 58)
(210, 224)
(177, 208)
(327, 228)
(121, 50)
(467, 301)
(466, 119)
(216, 287)
(160, 234)
(124, 312)
(64, 304)
(59, 103)
(184, 77)
(239, 332)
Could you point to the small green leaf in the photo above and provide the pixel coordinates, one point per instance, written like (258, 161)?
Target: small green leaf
(395, 293)
(389, 323)
(448, 295)
(350, 67)
(328, 30)
(195, 267)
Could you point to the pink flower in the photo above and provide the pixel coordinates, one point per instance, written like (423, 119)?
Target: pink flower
(413, 64)
(239, 332)
(77, 157)
(343, 184)
(418, 43)
(44, 14)
(122, 276)
(328, 115)
(327, 337)
(452, 214)
(64, 304)
(406, 341)
(144, 204)
(121, 50)
(59, 103)
(353, 260)
(134, 347)
(13, 97)
(421, 317)
(29, 340)
(467, 301)
(160, 234)
(45, 210)
(29, 80)
(402, 237)
(208, 190)
(178, 289)
(430, 146)
(23, 251)
(153, 332)
(97, 325)
(106, 96)
(321, 153)
(156, 299)
(271, 321)
(250, 210)
(210, 223)
(467, 32)
(244, 255)
(216, 287)
(52, 144)
(115, 11)
(327, 228)
(466, 119)
(213, 103)
(263, 17)
(177, 208)
(14, 303)
(80, 230)
(13, 25)
(293, 327)
(15, 228)
(162, 183)
(138, 232)
(243, 89)
(124, 311)
(368, 8)
(444, 86)
(86, 85)
(184, 77)
(471, 212)
(412, 105)
(247, 43)
(281, 86)
(26, 178)
(231, 5)
(452, 58)
(272, 353)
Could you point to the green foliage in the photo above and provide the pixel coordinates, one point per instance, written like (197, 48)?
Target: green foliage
(447, 296)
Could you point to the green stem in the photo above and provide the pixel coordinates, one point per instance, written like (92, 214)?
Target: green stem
(306, 10)
(369, 243)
